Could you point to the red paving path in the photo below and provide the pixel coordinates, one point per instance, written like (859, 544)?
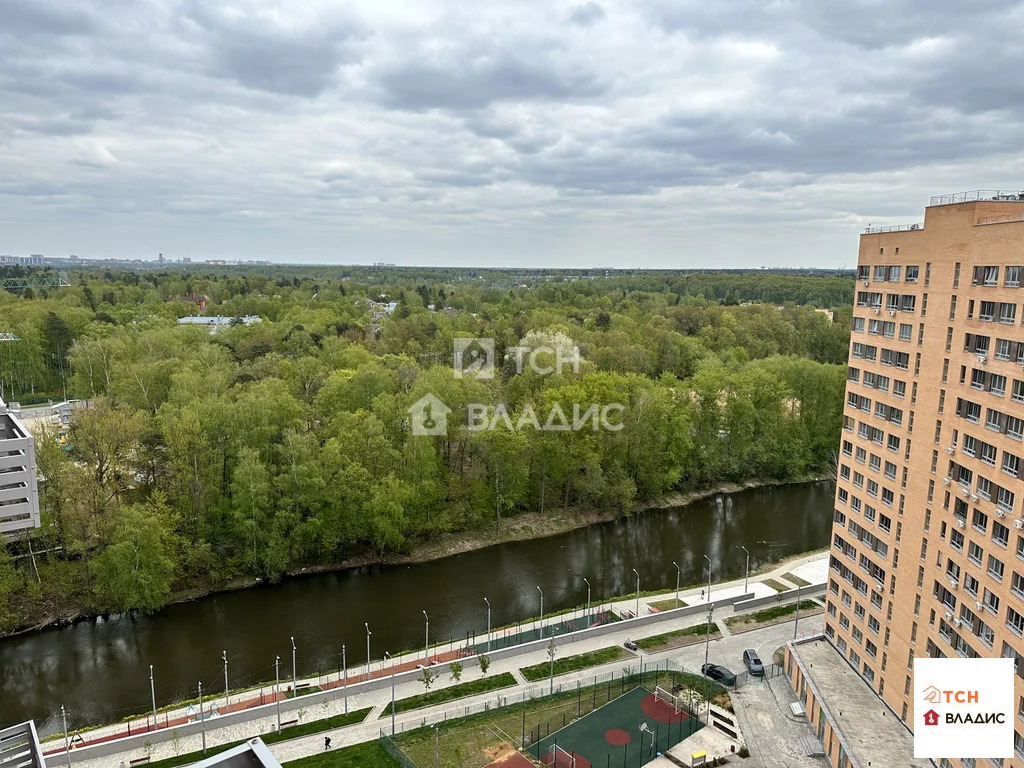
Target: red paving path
(256, 701)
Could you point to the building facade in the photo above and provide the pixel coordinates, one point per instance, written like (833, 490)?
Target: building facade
(19, 495)
(928, 540)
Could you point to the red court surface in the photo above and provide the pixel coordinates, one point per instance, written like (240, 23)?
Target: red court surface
(509, 759)
(617, 737)
(564, 761)
(663, 712)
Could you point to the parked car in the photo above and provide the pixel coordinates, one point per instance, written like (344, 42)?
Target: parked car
(752, 662)
(719, 673)
(629, 645)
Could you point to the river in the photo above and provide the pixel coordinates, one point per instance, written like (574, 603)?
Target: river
(99, 669)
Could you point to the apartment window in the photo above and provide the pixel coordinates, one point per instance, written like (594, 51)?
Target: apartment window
(858, 324)
(980, 521)
(1015, 622)
(1017, 584)
(894, 272)
(880, 269)
(1000, 533)
(899, 388)
(894, 443)
(952, 307)
(1007, 313)
(974, 554)
(985, 275)
(956, 275)
(1011, 277)
(995, 568)
(912, 271)
(991, 600)
(988, 454)
(1011, 464)
(1018, 391)
(987, 311)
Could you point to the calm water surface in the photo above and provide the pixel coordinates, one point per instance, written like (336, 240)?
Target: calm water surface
(99, 669)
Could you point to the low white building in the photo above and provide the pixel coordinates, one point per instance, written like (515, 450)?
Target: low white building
(213, 322)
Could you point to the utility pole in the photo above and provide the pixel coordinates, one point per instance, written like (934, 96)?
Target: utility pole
(588, 599)
(277, 689)
(746, 574)
(344, 666)
(389, 656)
(368, 633)
(437, 746)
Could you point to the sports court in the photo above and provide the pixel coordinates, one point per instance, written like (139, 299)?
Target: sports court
(624, 733)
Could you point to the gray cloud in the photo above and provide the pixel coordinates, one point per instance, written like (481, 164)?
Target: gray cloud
(573, 133)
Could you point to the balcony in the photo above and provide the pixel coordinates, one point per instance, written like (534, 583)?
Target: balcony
(894, 228)
(979, 195)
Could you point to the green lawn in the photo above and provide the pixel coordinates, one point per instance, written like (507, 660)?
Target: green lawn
(573, 663)
(796, 579)
(368, 755)
(676, 638)
(777, 586)
(771, 614)
(291, 732)
(459, 691)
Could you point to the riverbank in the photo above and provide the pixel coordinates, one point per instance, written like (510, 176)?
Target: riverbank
(531, 525)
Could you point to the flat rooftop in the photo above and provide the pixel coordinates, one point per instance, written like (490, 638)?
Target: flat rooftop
(872, 732)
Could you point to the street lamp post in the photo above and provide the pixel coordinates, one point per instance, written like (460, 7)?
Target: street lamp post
(488, 624)
(152, 694)
(797, 622)
(746, 573)
(637, 613)
(389, 656)
(541, 617)
(277, 689)
(202, 717)
(295, 682)
(227, 699)
(588, 599)
(368, 633)
(707, 642)
(344, 667)
(426, 640)
(67, 747)
(677, 581)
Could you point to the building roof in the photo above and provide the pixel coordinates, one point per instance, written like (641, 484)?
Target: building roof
(870, 732)
(251, 754)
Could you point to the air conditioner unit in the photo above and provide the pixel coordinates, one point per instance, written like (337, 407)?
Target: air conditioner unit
(876, 310)
(949, 615)
(982, 359)
(979, 606)
(965, 492)
(892, 313)
(974, 497)
(961, 524)
(1000, 513)
(954, 584)
(1018, 523)
(957, 622)
(947, 480)
(865, 282)
(951, 449)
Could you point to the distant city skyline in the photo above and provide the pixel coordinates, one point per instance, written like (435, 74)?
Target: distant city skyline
(597, 134)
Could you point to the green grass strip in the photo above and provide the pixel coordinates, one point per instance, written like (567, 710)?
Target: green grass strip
(659, 641)
(291, 732)
(370, 754)
(573, 663)
(504, 680)
(782, 610)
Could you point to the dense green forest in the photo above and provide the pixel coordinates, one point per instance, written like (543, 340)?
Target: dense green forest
(205, 460)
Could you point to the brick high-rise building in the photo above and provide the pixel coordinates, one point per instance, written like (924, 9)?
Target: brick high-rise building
(928, 541)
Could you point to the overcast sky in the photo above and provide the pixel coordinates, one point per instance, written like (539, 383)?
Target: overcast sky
(649, 133)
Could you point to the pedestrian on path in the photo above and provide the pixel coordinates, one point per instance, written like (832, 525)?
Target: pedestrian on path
(327, 743)
(702, 594)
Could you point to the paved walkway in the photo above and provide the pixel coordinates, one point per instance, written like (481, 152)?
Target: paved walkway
(692, 657)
